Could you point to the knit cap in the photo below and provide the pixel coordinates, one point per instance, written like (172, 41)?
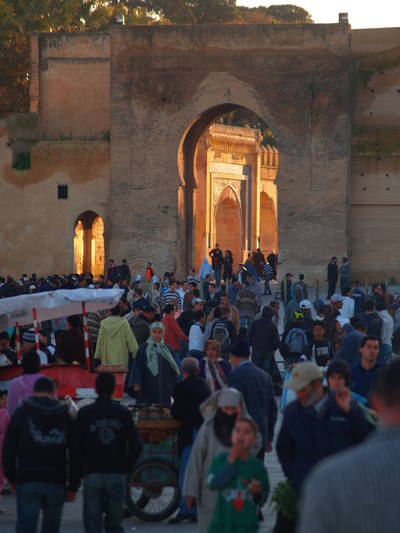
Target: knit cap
(339, 366)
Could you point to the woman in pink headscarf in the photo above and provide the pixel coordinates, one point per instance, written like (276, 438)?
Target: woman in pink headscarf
(22, 387)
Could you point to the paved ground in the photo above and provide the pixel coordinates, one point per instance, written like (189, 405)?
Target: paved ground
(72, 522)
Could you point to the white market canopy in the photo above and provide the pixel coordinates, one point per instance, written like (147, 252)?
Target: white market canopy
(55, 304)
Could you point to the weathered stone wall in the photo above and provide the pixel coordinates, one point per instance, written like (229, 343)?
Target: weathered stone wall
(165, 80)
(295, 78)
(37, 229)
(375, 168)
(70, 85)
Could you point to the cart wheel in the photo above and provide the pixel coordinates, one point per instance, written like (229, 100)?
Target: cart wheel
(153, 489)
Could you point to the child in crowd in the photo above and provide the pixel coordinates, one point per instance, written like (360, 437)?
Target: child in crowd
(242, 483)
(4, 420)
(320, 349)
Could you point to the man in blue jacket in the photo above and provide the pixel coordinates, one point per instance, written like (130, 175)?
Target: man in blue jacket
(317, 424)
(257, 390)
(365, 372)
(349, 349)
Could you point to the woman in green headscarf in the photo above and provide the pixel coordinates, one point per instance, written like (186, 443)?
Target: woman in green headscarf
(155, 371)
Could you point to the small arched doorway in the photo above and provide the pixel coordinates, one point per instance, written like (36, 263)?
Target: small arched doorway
(268, 225)
(89, 244)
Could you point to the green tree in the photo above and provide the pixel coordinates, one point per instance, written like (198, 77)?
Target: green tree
(172, 11)
(244, 118)
(214, 10)
(254, 15)
(194, 11)
(14, 63)
(289, 14)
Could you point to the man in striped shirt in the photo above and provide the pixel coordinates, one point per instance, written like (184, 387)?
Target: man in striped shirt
(268, 275)
(172, 296)
(358, 490)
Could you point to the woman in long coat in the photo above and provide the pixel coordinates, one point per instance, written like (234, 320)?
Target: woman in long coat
(155, 371)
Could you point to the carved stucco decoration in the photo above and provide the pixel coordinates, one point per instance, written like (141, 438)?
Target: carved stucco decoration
(226, 188)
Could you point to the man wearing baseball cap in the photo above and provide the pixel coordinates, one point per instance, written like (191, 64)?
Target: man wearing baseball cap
(305, 308)
(318, 424)
(186, 319)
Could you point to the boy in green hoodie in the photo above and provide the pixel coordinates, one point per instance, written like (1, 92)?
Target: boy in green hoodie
(242, 483)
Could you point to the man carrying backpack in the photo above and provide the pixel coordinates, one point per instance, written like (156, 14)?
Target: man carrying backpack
(224, 332)
(295, 340)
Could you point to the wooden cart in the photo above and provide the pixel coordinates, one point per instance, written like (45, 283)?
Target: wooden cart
(153, 487)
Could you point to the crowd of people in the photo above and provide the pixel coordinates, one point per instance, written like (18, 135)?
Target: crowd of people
(206, 349)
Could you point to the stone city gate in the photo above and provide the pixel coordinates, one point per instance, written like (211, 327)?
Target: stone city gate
(168, 84)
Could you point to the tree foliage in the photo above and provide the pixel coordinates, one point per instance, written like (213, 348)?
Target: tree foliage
(275, 14)
(244, 118)
(20, 18)
(289, 14)
(14, 62)
(254, 15)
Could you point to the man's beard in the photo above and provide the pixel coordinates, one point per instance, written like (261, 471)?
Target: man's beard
(312, 399)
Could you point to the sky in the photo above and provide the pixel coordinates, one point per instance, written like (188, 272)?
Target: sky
(362, 13)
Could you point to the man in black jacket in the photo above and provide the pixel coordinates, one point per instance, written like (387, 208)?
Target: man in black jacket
(188, 395)
(125, 271)
(186, 319)
(264, 338)
(109, 446)
(35, 449)
(212, 298)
